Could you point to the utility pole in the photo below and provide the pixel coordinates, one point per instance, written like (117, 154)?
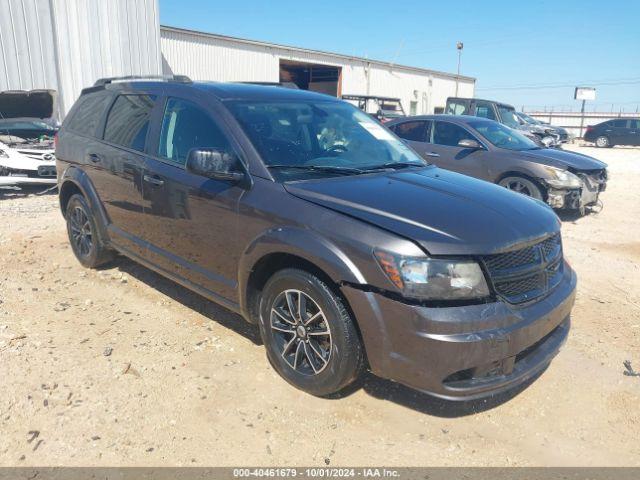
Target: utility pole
(459, 46)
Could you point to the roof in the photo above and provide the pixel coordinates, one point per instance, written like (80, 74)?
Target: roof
(334, 55)
(221, 90)
(467, 99)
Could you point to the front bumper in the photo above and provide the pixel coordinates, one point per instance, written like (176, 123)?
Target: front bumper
(467, 352)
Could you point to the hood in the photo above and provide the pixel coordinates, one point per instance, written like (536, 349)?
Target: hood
(562, 159)
(445, 212)
(27, 104)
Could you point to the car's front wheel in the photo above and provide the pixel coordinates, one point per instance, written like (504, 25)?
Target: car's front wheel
(522, 185)
(310, 338)
(81, 228)
(602, 142)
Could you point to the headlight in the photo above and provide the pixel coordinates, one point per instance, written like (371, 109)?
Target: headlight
(3, 154)
(562, 179)
(434, 279)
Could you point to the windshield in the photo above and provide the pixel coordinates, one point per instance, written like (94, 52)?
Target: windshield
(503, 137)
(508, 116)
(302, 139)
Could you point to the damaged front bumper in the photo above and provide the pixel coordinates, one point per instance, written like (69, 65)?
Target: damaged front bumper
(593, 183)
(463, 352)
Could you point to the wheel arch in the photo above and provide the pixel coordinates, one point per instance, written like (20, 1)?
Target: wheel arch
(75, 181)
(291, 248)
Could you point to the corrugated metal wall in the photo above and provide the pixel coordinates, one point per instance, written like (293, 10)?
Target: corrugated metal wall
(66, 45)
(203, 56)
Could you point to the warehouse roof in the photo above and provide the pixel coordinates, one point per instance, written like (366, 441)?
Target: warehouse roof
(245, 41)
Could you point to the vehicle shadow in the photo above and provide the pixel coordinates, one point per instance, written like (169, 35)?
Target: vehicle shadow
(189, 299)
(375, 386)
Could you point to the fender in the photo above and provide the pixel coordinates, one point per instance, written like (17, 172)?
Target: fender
(82, 181)
(302, 243)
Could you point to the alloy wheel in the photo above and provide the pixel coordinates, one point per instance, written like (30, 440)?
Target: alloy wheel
(518, 186)
(81, 233)
(301, 332)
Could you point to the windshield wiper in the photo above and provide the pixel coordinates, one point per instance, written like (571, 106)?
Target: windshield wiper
(320, 168)
(396, 165)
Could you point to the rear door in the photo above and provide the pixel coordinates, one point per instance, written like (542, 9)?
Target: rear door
(633, 132)
(190, 221)
(444, 140)
(116, 165)
(617, 131)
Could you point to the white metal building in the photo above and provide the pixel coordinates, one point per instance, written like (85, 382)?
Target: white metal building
(207, 56)
(65, 45)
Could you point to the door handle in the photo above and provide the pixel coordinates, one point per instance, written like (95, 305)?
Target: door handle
(94, 158)
(432, 154)
(153, 180)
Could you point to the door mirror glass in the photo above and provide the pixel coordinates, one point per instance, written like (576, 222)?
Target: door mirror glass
(469, 143)
(214, 163)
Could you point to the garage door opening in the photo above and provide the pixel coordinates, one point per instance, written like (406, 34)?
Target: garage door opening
(312, 76)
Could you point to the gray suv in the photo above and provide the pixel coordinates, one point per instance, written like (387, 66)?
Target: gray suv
(311, 220)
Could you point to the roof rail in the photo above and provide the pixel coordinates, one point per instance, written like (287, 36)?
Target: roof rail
(272, 84)
(101, 82)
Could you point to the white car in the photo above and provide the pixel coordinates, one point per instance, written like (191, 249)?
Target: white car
(26, 138)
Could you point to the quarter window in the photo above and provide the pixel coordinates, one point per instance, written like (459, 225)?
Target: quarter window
(128, 121)
(449, 134)
(414, 131)
(186, 126)
(87, 115)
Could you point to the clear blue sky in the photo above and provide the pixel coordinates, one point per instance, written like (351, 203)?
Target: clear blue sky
(507, 44)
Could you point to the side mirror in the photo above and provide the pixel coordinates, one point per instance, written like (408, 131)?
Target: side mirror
(214, 163)
(468, 143)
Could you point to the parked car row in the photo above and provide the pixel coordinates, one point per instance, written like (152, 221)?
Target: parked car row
(320, 225)
(488, 150)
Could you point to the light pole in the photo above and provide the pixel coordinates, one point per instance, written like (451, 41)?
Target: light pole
(459, 46)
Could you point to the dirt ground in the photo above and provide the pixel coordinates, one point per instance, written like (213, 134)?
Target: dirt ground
(122, 367)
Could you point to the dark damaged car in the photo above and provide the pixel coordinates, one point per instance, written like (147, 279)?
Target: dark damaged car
(488, 150)
(311, 220)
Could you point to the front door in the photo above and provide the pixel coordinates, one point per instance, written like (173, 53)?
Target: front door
(444, 140)
(190, 221)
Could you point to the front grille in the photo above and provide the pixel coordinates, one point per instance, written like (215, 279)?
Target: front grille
(528, 273)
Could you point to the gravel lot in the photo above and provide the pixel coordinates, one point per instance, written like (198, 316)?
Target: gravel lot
(122, 367)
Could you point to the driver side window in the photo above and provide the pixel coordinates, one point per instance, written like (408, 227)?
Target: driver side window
(186, 126)
(449, 134)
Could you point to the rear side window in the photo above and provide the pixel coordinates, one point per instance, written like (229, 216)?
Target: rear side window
(128, 121)
(414, 131)
(485, 111)
(619, 124)
(449, 134)
(635, 124)
(88, 114)
(186, 126)
(456, 108)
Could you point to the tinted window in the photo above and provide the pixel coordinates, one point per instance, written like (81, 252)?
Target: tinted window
(635, 124)
(414, 131)
(509, 117)
(186, 126)
(456, 108)
(485, 111)
(88, 113)
(619, 123)
(446, 133)
(128, 121)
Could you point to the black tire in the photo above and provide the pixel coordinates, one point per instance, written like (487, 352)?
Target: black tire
(83, 236)
(339, 354)
(603, 142)
(523, 185)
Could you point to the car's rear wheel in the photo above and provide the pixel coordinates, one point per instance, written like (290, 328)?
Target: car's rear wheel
(522, 185)
(310, 338)
(602, 142)
(82, 231)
